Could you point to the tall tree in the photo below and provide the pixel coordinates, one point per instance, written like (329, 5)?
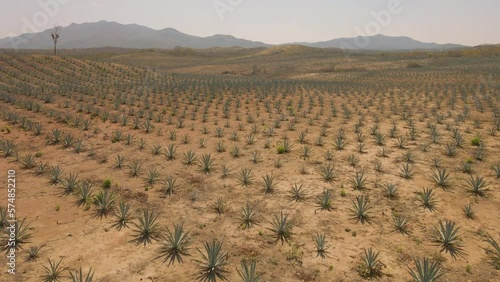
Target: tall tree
(55, 36)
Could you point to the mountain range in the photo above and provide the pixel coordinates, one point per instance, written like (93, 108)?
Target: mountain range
(112, 34)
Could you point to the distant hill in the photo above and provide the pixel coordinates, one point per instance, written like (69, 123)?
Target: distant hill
(381, 42)
(111, 34)
(104, 34)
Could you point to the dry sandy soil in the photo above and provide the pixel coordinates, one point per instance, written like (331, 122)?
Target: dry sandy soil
(447, 94)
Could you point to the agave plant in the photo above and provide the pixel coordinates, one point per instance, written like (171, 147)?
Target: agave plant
(84, 193)
(372, 265)
(69, 184)
(33, 253)
(441, 177)
(255, 157)
(104, 202)
(352, 160)
(189, 158)
(377, 166)
(401, 142)
(427, 199)
(426, 271)
(284, 146)
(206, 163)
(20, 236)
(55, 174)
(306, 152)
(327, 172)
(141, 144)
(41, 168)
(277, 163)
(324, 200)
(147, 229)
(117, 136)
(469, 211)
(122, 216)
(321, 248)
(225, 171)
(55, 137)
(202, 142)
(361, 209)
(379, 139)
(171, 152)
(68, 140)
(245, 177)
(493, 253)
(169, 185)
(130, 140)
(466, 167)
(175, 245)
(298, 193)
(119, 161)
(383, 152)
(450, 150)
(79, 146)
(135, 168)
(281, 228)
(446, 236)
(235, 152)
(152, 176)
(248, 272)
(390, 190)
(219, 206)
(477, 186)
(156, 149)
(212, 264)
(406, 171)
(28, 161)
(496, 170)
(54, 272)
(248, 216)
(250, 139)
(80, 276)
(400, 224)
(339, 142)
(359, 181)
(268, 183)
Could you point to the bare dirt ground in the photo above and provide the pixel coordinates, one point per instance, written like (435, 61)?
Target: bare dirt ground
(241, 121)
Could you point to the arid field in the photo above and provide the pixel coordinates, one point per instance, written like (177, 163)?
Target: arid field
(294, 163)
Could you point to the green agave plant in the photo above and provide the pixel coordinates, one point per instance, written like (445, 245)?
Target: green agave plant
(321, 248)
(212, 264)
(446, 236)
(80, 276)
(147, 229)
(281, 228)
(248, 272)
(175, 245)
(425, 270)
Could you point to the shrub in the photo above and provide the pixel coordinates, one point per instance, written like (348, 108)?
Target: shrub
(106, 183)
(476, 141)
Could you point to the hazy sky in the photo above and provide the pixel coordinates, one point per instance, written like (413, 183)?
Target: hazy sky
(469, 22)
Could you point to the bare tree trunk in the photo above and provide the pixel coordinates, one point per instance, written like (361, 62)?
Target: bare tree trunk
(55, 48)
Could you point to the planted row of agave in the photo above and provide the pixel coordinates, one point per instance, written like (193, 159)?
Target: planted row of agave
(189, 156)
(438, 106)
(450, 149)
(104, 202)
(68, 140)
